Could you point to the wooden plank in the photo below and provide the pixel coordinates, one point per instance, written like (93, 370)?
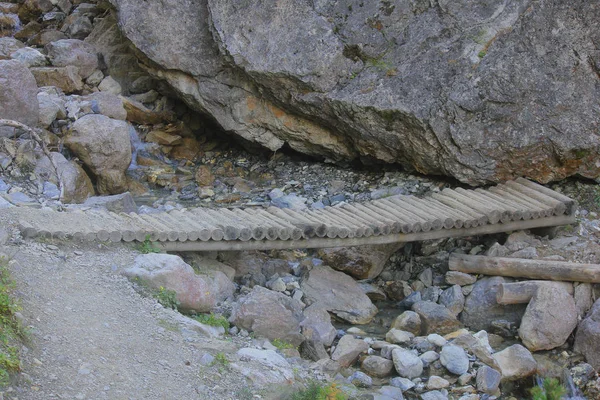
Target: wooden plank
(569, 203)
(523, 268)
(492, 214)
(373, 240)
(558, 206)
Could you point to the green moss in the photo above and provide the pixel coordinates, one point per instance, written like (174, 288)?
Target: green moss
(213, 320)
(482, 54)
(282, 344)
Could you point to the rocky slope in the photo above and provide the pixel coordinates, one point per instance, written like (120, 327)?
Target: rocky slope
(481, 92)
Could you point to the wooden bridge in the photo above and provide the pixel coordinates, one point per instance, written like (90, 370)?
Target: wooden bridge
(515, 205)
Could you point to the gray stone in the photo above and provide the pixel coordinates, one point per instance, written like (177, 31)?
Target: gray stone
(360, 379)
(455, 105)
(348, 349)
(407, 364)
(527, 252)
(515, 362)
(453, 299)
(436, 382)
(587, 339)
(397, 336)
(481, 307)
(459, 278)
(18, 95)
(403, 384)
(263, 367)
(110, 85)
(434, 395)
(51, 191)
(431, 293)
(116, 203)
(339, 294)
(104, 146)
(429, 356)
(392, 392)
(195, 292)
(30, 57)
(75, 185)
(107, 104)
(313, 350)
(5, 203)
(436, 339)
(317, 325)
(66, 79)
(488, 379)
(583, 298)
(435, 318)
(542, 327)
(455, 359)
(364, 262)
(66, 52)
(8, 46)
(408, 321)
(19, 199)
(269, 314)
(51, 107)
(376, 366)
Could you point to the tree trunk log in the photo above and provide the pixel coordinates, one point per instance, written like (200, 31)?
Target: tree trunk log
(522, 292)
(521, 268)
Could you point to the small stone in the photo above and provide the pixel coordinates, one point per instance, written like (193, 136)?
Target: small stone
(436, 382)
(408, 321)
(110, 85)
(464, 379)
(277, 285)
(376, 366)
(459, 278)
(435, 318)
(397, 336)
(348, 350)
(403, 384)
(488, 379)
(455, 359)
(453, 299)
(426, 277)
(313, 350)
(436, 339)
(407, 364)
(361, 380)
(515, 362)
(391, 392)
(434, 395)
(206, 359)
(429, 357)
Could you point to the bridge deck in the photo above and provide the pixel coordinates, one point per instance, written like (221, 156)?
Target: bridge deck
(518, 204)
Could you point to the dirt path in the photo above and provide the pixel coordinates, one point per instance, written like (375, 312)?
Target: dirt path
(94, 337)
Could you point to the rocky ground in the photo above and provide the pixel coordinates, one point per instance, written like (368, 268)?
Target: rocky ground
(387, 322)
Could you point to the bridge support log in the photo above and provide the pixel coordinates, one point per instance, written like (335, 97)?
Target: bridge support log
(522, 268)
(522, 292)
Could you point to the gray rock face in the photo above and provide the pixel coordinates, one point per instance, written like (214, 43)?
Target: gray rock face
(76, 186)
(435, 88)
(407, 364)
(488, 379)
(104, 147)
(18, 94)
(269, 314)
(376, 366)
(339, 294)
(542, 327)
(453, 299)
(194, 292)
(317, 325)
(587, 339)
(481, 307)
(515, 362)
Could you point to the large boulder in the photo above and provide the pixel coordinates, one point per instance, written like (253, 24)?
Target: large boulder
(75, 185)
(587, 339)
(104, 146)
(435, 86)
(339, 294)
(195, 292)
(18, 95)
(270, 314)
(481, 307)
(364, 262)
(542, 328)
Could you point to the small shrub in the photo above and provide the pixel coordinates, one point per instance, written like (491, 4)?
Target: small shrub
(213, 320)
(318, 391)
(282, 344)
(147, 246)
(482, 53)
(221, 359)
(10, 330)
(167, 297)
(551, 389)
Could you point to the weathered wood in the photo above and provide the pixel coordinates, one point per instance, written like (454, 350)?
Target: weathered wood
(569, 203)
(349, 214)
(504, 194)
(352, 229)
(272, 230)
(558, 206)
(458, 219)
(361, 213)
(472, 219)
(504, 214)
(546, 210)
(439, 220)
(394, 223)
(522, 292)
(317, 243)
(411, 211)
(358, 228)
(523, 268)
(340, 230)
(492, 215)
(259, 230)
(517, 210)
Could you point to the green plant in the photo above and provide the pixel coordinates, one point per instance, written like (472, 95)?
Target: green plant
(318, 391)
(551, 389)
(482, 53)
(167, 297)
(10, 329)
(213, 320)
(147, 246)
(221, 359)
(282, 344)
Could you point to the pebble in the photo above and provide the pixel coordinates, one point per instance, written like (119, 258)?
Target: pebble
(407, 364)
(360, 379)
(436, 339)
(455, 359)
(436, 382)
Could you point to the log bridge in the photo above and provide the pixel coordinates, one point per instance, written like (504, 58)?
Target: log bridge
(514, 205)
